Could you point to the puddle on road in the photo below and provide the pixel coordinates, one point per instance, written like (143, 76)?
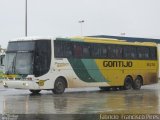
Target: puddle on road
(143, 101)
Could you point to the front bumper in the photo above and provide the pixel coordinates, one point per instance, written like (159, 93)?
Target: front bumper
(20, 84)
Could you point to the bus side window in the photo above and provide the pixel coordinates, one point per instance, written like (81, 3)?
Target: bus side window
(153, 53)
(77, 48)
(96, 51)
(114, 51)
(81, 50)
(118, 52)
(58, 49)
(129, 52)
(67, 49)
(143, 52)
(111, 51)
(104, 51)
(146, 53)
(42, 57)
(86, 51)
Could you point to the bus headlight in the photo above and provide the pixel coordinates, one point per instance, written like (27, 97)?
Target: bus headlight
(25, 84)
(5, 84)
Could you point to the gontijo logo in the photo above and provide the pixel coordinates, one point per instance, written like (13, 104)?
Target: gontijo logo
(117, 63)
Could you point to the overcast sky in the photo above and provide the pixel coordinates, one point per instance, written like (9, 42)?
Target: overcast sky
(136, 18)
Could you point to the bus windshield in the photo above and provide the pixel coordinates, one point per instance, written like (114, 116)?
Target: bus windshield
(19, 63)
(19, 57)
(28, 57)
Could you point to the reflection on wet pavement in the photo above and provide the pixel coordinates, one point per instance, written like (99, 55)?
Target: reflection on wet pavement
(141, 101)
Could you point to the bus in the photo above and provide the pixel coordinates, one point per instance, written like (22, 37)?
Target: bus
(2, 63)
(55, 64)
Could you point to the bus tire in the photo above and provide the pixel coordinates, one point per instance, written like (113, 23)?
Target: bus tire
(35, 91)
(59, 86)
(127, 83)
(137, 83)
(104, 88)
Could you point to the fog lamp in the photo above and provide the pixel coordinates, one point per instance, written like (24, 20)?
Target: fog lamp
(25, 84)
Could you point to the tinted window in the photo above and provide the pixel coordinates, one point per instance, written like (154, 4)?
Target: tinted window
(67, 49)
(86, 50)
(78, 50)
(99, 51)
(63, 49)
(58, 49)
(42, 58)
(21, 46)
(114, 51)
(153, 53)
(96, 50)
(129, 52)
(104, 51)
(143, 52)
(81, 50)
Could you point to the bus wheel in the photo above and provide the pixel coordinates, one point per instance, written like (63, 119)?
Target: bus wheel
(105, 88)
(59, 86)
(35, 91)
(128, 83)
(137, 83)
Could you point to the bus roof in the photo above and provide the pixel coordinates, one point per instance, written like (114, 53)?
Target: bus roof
(129, 39)
(94, 39)
(31, 38)
(108, 40)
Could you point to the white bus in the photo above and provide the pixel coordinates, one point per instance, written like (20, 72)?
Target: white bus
(2, 63)
(55, 64)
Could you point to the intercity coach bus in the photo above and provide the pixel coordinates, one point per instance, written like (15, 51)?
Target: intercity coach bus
(2, 62)
(55, 64)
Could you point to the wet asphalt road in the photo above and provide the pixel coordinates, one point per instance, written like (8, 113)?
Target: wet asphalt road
(81, 101)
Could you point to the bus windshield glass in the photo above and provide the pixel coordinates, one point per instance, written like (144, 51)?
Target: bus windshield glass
(19, 63)
(28, 57)
(19, 57)
(21, 46)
